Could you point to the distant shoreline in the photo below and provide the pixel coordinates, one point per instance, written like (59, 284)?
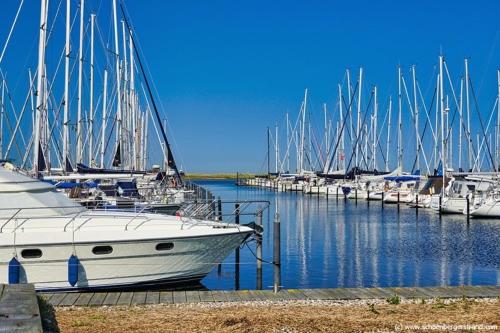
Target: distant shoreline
(219, 175)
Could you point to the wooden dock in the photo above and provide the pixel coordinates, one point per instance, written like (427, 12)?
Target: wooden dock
(19, 310)
(182, 297)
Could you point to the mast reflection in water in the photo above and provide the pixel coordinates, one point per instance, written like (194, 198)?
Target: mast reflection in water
(327, 244)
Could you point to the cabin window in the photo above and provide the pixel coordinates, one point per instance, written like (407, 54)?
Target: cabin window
(31, 253)
(164, 246)
(105, 249)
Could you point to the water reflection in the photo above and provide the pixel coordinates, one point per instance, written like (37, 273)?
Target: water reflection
(337, 243)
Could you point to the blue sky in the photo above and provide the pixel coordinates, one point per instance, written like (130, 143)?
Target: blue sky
(225, 70)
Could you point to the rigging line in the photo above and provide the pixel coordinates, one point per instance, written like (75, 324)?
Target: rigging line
(481, 123)
(11, 30)
(484, 137)
(362, 125)
(171, 159)
(341, 129)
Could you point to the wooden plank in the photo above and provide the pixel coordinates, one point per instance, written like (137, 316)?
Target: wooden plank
(192, 296)
(166, 297)
(111, 298)
(1, 289)
(245, 295)
(139, 298)
(421, 292)
(294, 294)
(125, 298)
(179, 297)
(206, 296)
(56, 299)
(403, 292)
(97, 299)
(378, 293)
(69, 300)
(257, 295)
(153, 297)
(84, 299)
(219, 296)
(19, 311)
(46, 296)
(493, 290)
(337, 294)
(359, 293)
(232, 296)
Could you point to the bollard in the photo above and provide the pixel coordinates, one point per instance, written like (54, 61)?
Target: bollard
(416, 195)
(259, 252)
(276, 253)
(468, 208)
(237, 251)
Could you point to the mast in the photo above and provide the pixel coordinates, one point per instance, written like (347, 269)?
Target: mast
(302, 136)
(349, 96)
(268, 151)
(388, 136)
(358, 120)
(104, 116)
(276, 149)
(443, 137)
(374, 144)
(342, 141)
(118, 84)
(133, 105)
(79, 141)
(326, 132)
(467, 107)
(460, 109)
(415, 106)
(400, 110)
(129, 139)
(66, 88)
(287, 143)
(2, 110)
(91, 107)
(38, 156)
(498, 122)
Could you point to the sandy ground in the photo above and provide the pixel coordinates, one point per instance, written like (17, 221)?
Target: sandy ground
(291, 316)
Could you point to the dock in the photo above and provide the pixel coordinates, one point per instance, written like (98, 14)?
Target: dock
(198, 296)
(19, 311)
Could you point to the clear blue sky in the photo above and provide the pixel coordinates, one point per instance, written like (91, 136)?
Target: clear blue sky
(227, 69)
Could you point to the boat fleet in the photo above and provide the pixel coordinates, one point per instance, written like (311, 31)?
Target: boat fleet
(448, 145)
(90, 193)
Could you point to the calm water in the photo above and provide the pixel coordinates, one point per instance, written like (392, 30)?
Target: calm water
(341, 244)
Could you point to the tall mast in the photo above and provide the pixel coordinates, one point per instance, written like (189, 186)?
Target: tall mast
(415, 106)
(400, 111)
(268, 151)
(118, 83)
(287, 143)
(467, 107)
(358, 120)
(443, 136)
(276, 149)
(126, 124)
(436, 123)
(133, 110)
(145, 129)
(79, 138)
(375, 112)
(326, 132)
(349, 112)
(2, 110)
(498, 123)
(388, 136)
(91, 107)
(460, 109)
(66, 87)
(302, 136)
(342, 142)
(104, 117)
(40, 96)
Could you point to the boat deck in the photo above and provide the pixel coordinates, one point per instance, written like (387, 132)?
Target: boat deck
(182, 297)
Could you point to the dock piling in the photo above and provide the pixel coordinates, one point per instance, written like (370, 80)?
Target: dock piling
(259, 252)
(237, 251)
(277, 253)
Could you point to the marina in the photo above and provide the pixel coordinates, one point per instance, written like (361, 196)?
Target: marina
(369, 185)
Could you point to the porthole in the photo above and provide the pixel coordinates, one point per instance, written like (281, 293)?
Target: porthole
(164, 246)
(103, 249)
(31, 253)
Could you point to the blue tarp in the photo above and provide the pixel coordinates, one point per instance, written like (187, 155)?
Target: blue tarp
(399, 179)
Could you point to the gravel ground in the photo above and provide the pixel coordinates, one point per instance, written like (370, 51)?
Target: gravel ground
(454, 315)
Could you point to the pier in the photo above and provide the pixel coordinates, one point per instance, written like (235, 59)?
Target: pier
(19, 311)
(197, 296)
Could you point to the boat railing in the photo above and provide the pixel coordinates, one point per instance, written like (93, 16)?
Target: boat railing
(211, 209)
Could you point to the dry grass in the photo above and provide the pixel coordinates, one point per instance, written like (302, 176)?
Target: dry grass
(278, 317)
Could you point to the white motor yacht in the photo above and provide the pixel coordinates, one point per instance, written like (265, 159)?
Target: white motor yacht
(49, 240)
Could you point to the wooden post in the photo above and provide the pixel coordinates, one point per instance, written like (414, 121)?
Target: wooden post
(383, 195)
(368, 197)
(468, 208)
(237, 251)
(416, 196)
(277, 253)
(440, 203)
(259, 252)
(356, 195)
